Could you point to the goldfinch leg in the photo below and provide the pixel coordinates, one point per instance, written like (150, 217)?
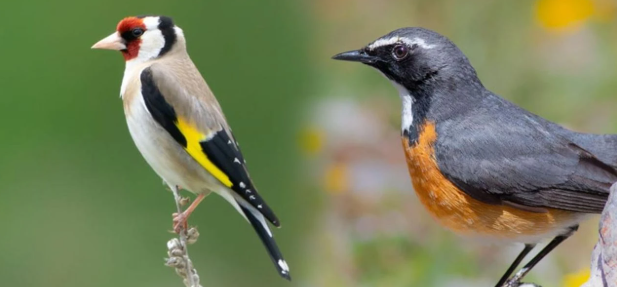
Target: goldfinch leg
(181, 219)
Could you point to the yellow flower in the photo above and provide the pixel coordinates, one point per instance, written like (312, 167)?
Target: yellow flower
(561, 14)
(576, 279)
(337, 178)
(311, 140)
(604, 10)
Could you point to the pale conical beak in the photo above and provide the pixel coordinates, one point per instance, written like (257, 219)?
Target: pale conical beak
(111, 42)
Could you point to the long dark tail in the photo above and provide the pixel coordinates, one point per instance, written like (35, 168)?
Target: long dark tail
(261, 227)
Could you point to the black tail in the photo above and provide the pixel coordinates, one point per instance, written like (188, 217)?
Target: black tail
(261, 227)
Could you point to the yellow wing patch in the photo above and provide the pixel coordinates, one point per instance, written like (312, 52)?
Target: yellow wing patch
(193, 137)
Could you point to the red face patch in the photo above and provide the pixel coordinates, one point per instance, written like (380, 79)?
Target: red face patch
(132, 44)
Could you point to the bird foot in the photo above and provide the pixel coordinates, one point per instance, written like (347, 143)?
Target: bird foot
(180, 221)
(516, 283)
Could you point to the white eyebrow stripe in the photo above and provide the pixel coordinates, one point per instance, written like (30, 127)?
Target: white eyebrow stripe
(410, 42)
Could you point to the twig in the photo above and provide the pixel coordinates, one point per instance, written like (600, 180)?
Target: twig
(178, 252)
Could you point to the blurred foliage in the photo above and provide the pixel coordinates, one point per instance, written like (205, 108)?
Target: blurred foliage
(557, 14)
(80, 207)
(576, 279)
(556, 58)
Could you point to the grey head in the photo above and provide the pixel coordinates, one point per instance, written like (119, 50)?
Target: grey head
(416, 58)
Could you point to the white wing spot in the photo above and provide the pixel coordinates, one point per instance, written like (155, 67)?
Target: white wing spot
(248, 191)
(242, 185)
(283, 265)
(259, 206)
(252, 197)
(236, 160)
(229, 142)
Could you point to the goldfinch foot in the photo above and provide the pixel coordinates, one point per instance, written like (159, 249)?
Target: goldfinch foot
(180, 220)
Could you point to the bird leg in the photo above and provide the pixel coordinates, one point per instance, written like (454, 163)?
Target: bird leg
(516, 279)
(181, 219)
(517, 261)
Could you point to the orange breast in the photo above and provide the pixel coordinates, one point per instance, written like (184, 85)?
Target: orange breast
(458, 211)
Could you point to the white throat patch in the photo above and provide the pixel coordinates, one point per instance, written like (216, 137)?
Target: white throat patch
(406, 112)
(129, 69)
(406, 101)
(410, 42)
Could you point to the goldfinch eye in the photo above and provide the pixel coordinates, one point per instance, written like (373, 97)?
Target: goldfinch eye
(137, 32)
(399, 52)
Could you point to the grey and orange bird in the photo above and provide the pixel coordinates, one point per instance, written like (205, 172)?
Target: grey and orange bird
(480, 164)
(179, 127)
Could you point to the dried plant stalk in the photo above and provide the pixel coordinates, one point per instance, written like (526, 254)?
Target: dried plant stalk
(178, 252)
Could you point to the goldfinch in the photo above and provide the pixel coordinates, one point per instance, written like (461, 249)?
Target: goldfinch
(179, 127)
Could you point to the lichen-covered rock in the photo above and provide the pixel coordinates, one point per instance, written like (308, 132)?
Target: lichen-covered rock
(604, 256)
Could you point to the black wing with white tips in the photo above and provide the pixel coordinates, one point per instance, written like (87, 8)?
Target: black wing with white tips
(220, 149)
(223, 151)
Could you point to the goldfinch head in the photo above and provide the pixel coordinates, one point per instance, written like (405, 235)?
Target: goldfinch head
(142, 38)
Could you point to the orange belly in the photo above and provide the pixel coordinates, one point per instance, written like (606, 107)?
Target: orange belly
(461, 213)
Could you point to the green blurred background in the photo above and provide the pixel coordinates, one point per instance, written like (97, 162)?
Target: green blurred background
(80, 207)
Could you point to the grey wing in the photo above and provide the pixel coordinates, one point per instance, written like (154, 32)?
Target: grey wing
(517, 161)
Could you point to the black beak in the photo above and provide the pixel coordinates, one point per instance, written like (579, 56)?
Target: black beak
(356, 56)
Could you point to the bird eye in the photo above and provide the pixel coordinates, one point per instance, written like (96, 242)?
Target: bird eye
(400, 52)
(137, 32)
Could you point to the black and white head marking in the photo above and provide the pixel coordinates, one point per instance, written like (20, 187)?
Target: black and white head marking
(406, 97)
(420, 63)
(158, 38)
(399, 40)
